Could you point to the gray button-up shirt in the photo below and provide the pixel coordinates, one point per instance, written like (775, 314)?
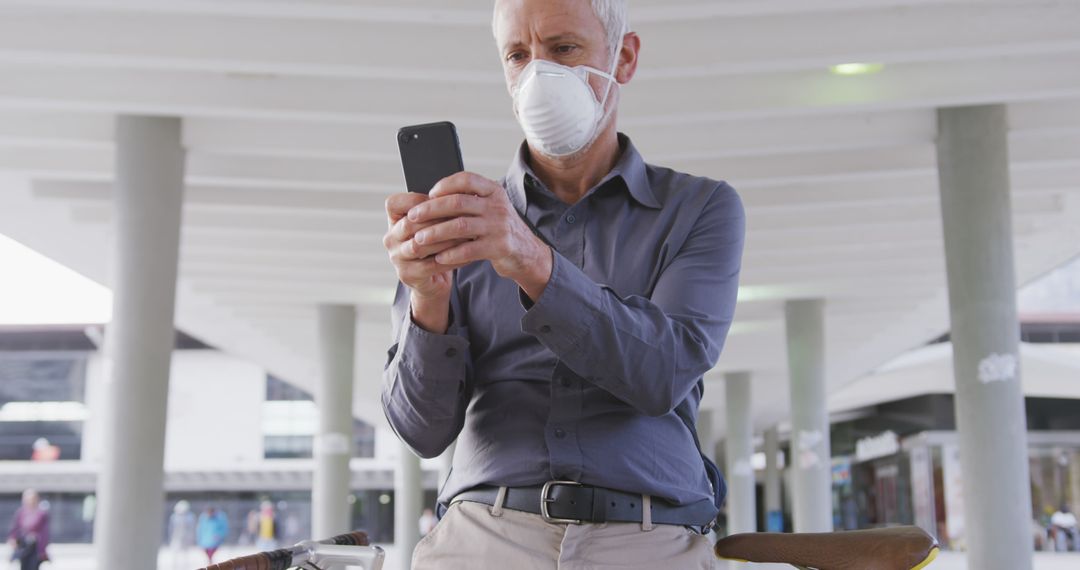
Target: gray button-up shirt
(582, 384)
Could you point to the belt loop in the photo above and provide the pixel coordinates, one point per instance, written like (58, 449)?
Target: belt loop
(497, 508)
(646, 513)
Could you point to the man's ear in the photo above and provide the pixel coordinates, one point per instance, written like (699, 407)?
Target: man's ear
(628, 58)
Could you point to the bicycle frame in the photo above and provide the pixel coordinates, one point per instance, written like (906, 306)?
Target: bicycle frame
(311, 555)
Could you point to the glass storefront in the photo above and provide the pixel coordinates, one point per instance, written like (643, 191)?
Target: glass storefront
(922, 484)
(72, 514)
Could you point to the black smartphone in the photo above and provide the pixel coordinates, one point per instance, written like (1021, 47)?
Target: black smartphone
(429, 153)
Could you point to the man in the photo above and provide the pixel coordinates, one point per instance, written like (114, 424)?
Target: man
(567, 363)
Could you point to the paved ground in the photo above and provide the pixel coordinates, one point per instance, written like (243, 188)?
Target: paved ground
(81, 557)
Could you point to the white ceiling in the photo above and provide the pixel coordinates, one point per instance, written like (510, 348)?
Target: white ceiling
(290, 109)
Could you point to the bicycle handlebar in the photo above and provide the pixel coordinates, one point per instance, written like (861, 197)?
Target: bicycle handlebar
(355, 538)
(282, 558)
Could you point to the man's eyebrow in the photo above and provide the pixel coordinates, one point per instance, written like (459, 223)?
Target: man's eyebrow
(568, 36)
(512, 45)
(562, 37)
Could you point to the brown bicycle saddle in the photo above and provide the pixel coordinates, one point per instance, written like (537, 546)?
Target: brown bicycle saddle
(897, 548)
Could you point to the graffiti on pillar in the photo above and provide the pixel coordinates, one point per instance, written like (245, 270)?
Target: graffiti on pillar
(998, 368)
(808, 441)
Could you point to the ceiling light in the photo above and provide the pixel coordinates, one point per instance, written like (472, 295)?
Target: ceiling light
(857, 68)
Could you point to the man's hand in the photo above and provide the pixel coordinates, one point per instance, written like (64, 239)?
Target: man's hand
(428, 281)
(469, 218)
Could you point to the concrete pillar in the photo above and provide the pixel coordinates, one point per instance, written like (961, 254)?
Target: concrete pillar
(408, 505)
(140, 338)
(811, 462)
(741, 503)
(973, 168)
(774, 514)
(333, 443)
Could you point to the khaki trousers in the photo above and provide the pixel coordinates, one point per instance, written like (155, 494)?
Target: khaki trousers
(470, 536)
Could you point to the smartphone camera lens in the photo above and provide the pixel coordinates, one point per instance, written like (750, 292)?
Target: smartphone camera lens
(404, 138)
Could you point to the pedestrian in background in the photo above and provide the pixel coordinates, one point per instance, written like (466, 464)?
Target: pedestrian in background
(29, 534)
(251, 527)
(268, 527)
(1064, 527)
(212, 529)
(181, 533)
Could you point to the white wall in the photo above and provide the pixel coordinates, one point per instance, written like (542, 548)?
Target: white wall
(215, 411)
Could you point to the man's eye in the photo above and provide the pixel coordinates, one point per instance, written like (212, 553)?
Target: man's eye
(515, 57)
(565, 49)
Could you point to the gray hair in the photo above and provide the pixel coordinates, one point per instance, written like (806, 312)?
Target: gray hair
(616, 19)
(613, 14)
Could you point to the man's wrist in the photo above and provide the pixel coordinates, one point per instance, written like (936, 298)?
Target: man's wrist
(431, 313)
(537, 271)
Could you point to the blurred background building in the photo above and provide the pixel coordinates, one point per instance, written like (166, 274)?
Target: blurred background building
(236, 437)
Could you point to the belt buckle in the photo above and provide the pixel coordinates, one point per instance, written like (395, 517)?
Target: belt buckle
(545, 499)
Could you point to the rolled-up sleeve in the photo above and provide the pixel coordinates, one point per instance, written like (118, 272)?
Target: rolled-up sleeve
(425, 381)
(649, 352)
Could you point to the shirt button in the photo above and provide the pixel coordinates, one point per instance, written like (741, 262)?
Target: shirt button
(570, 219)
(545, 329)
(451, 352)
(565, 382)
(559, 434)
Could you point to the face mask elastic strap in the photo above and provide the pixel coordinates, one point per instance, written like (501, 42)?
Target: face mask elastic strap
(614, 84)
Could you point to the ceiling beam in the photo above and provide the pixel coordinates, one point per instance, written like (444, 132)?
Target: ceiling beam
(764, 136)
(878, 170)
(341, 48)
(468, 13)
(360, 223)
(394, 103)
(210, 195)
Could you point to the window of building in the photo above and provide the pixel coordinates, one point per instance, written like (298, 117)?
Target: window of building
(42, 405)
(290, 420)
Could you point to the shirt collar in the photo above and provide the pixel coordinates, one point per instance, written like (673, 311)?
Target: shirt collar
(630, 167)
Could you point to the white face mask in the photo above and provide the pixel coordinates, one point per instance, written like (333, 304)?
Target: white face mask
(557, 108)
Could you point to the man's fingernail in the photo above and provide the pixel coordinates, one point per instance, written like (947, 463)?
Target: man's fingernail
(420, 238)
(414, 214)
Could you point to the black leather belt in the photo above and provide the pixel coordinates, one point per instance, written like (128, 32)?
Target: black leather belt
(574, 503)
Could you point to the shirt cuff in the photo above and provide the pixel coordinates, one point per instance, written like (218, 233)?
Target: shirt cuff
(436, 360)
(566, 310)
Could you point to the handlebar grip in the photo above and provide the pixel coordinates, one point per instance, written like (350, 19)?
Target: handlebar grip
(253, 562)
(355, 538)
(274, 560)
